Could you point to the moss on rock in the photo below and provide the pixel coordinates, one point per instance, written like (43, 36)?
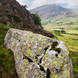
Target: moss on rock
(40, 53)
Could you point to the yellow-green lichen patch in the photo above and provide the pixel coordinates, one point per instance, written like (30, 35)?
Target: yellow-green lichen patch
(46, 57)
(30, 53)
(68, 74)
(55, 76)
(60, 62)
(53, 61)
(41, 75)
(25, 75)
(25, 66)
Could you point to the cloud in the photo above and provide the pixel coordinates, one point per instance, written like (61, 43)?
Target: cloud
(25, 2)
(36, 3)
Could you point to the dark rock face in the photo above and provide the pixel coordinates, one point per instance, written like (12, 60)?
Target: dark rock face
(17, 14)
(12, 13)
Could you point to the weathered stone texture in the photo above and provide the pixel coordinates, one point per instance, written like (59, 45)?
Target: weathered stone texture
(38, 56)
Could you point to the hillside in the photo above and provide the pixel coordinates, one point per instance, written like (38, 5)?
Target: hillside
(61, 22)
(12, 13)
(7, 66)
(54, 11)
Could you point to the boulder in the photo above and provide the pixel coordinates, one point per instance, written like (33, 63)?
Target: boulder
(38, 56)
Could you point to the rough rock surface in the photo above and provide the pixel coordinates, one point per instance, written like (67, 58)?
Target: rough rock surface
(38, 56)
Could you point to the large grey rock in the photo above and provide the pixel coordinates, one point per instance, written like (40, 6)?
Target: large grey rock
(38, 56)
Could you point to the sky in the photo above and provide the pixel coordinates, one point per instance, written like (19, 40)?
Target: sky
(36, 3)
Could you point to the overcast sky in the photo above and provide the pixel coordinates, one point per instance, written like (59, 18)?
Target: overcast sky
(36, 3)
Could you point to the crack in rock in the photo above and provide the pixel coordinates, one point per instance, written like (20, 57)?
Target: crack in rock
(40, 58)
(46, 48)
(48, 72)
(29, 59)
(42, 68)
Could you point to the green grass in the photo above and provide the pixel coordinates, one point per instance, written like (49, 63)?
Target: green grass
(7, 68)
(70, 38)
(61, 22)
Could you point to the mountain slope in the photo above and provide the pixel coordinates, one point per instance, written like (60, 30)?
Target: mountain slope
(12, 13)
(53, 11)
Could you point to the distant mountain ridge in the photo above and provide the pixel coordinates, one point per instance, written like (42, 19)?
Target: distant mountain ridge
(54, 11)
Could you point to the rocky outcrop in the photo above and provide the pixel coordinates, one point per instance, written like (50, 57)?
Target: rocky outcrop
(12, 13)
(16, 14)
(38, 56)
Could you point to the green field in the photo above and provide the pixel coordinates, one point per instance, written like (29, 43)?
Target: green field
(67, 30)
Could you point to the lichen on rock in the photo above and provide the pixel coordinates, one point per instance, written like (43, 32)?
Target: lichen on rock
(38, 56)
